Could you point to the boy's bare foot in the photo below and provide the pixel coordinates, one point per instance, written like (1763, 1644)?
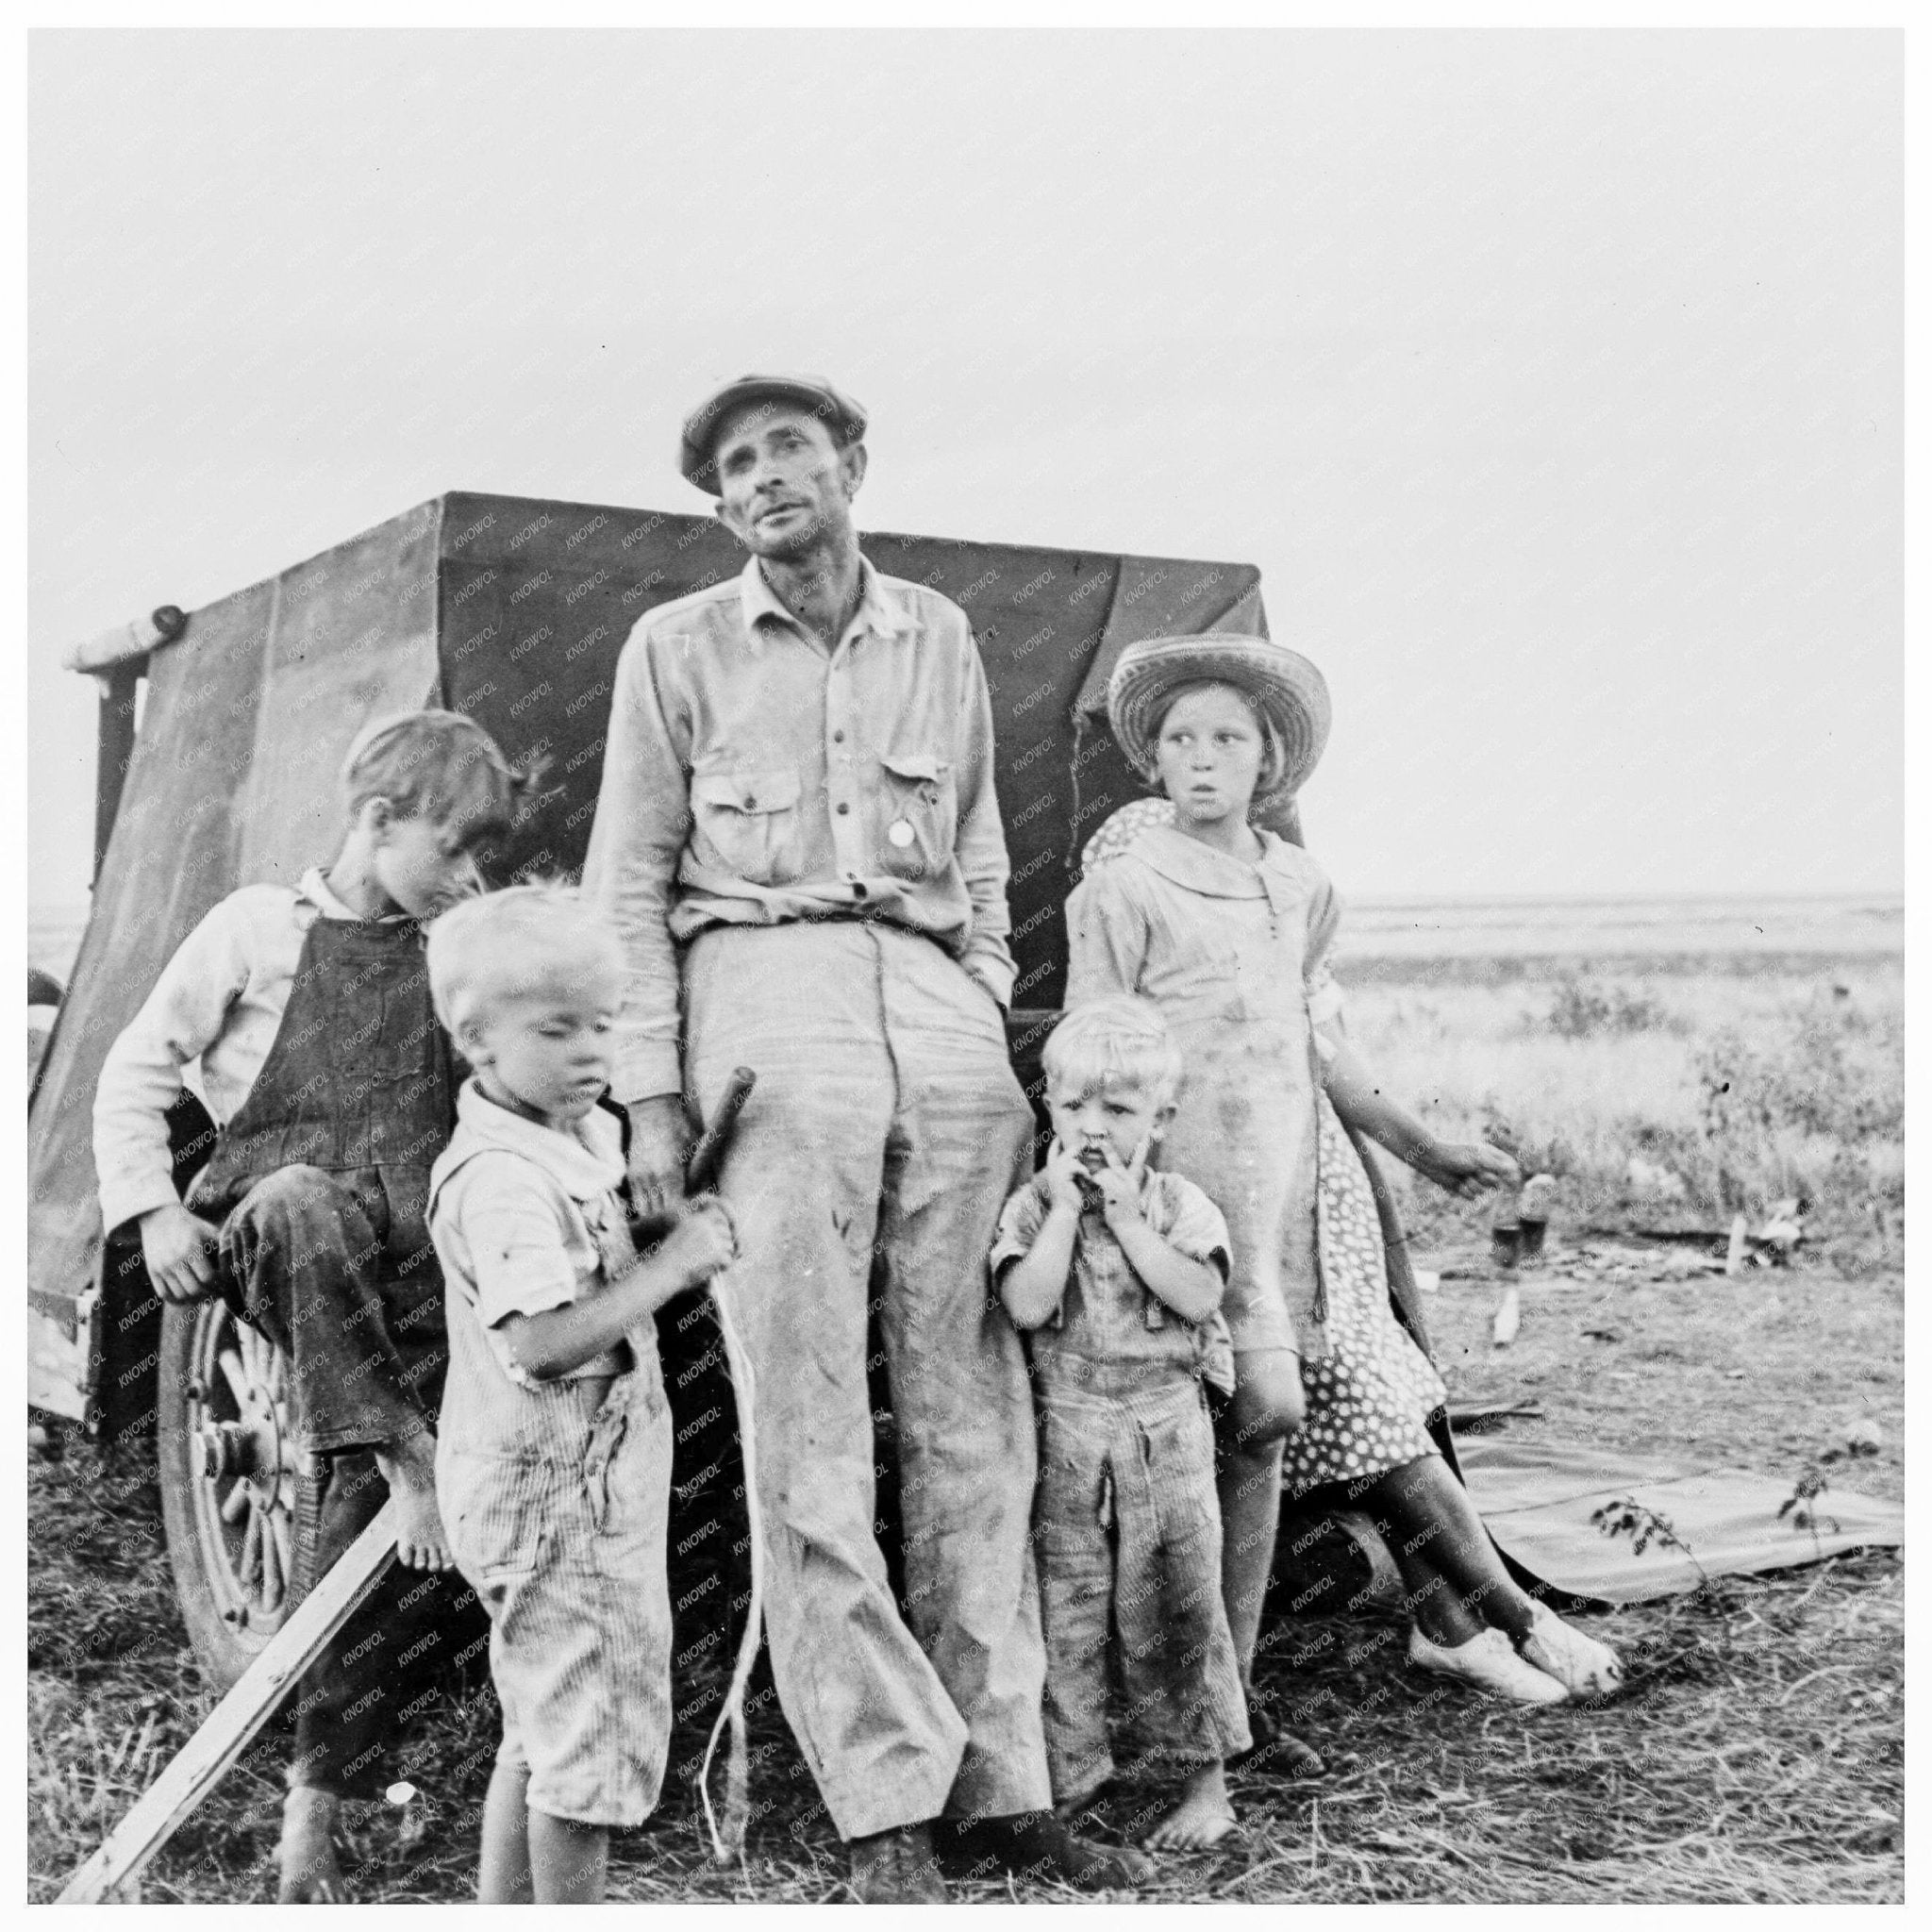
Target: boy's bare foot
(1204, 1817)
(311, 1875)
(410, 1470)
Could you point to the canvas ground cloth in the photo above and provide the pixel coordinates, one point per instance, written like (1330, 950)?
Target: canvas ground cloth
(1536, 1500)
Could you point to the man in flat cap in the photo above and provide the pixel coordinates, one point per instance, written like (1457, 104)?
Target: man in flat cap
(797, 831)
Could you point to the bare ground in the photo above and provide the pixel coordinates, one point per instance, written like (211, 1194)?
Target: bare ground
(1758, 1756)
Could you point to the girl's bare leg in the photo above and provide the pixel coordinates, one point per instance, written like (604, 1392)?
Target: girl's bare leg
(567, 1860)
(503, 1876)
(1438, 1611)
(1427, 1506)
(1249, 1486)
(1267, 1407)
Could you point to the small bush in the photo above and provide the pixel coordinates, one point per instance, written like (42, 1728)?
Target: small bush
(1819, 1084)
(1580, 1009)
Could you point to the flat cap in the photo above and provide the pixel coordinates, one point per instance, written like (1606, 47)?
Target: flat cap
(839, 413)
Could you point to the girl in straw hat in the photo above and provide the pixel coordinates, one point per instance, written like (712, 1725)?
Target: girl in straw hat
(1226, 925)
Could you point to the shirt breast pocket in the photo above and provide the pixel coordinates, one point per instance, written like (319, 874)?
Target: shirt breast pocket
(747, 824)
(918, 815)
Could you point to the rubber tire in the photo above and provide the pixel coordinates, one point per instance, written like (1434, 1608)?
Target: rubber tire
(223, 1651)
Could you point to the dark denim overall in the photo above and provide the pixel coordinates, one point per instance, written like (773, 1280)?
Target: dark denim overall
(323, 1177)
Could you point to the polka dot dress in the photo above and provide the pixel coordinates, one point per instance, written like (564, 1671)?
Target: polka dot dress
(1367, 1399)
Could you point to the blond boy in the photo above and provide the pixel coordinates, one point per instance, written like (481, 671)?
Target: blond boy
(1115, 1274)
(553, 1462)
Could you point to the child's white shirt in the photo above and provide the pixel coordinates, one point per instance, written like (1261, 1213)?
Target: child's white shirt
(526, 1218)
(220, 1002)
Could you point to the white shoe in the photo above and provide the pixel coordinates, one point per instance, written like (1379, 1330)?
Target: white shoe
(1583, 1666)
(1489, 1662)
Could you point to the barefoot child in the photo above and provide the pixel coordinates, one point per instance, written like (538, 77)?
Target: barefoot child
(1225, 927)
(329, 1082)
(1115, 1274)
(554, 1466)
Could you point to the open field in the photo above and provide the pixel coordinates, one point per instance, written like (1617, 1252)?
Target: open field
(1734, 1086)
(1758, 1753)
(1674, 929)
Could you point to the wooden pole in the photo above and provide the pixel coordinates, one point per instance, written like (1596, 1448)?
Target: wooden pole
(206, 1756)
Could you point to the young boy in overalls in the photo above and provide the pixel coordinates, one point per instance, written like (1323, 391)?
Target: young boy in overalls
(331, 1083)
(1115, 1273)
(554, 1465)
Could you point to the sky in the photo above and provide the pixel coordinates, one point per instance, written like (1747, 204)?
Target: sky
(1553, 380)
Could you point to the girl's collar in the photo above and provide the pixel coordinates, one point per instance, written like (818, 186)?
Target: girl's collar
(1202, 869)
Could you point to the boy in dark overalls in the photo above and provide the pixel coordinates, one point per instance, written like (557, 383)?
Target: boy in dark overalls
(329, 1078)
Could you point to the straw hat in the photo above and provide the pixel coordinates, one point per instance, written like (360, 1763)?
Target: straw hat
(1291, 691)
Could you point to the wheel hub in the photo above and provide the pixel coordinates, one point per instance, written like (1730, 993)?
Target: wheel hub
(239, 1455)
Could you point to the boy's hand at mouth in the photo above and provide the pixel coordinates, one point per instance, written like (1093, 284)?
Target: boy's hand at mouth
(1065, 1178)
(1120, 1186)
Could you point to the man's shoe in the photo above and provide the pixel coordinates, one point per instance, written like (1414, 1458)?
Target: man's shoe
(897, 1868)
(1584, 1667)
(1279, 1750)
(1488, 1663)
(1035, 1844)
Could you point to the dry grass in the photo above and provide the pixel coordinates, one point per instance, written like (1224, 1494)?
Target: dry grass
(1750, 1082)
(1757, 1758)
(1759, 1755)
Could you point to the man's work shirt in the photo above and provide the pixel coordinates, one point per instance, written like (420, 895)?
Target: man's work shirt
(751, 776)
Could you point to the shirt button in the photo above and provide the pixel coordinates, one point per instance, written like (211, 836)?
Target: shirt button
(857, 889)
(837, 738)
(843, 808)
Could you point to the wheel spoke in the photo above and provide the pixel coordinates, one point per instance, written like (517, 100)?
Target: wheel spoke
(248, 1565)
(278, 1528)
(234, 1502)
(271, 1572)
(238, 1378)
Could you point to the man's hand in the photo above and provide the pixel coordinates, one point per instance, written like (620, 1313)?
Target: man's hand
(1120, 1186)
(699, 1246)
(660, 1143)
(1064, 1175)
(179, 1250)
(1469, 1169)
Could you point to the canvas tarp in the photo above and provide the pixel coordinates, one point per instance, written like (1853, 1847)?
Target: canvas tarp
(233, 777)
(515, 610)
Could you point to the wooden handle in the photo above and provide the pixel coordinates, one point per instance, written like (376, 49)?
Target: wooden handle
(701, 1170)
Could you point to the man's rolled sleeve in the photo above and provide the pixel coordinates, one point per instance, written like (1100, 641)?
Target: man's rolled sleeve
(982, 843)
(644, 808)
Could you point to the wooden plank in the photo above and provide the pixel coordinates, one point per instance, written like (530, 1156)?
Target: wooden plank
(206, 1756)
(114, 750)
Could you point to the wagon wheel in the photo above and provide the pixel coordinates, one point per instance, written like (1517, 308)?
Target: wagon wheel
(228, 1471)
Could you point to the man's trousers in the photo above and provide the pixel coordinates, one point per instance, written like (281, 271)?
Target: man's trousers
(882, 1139)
